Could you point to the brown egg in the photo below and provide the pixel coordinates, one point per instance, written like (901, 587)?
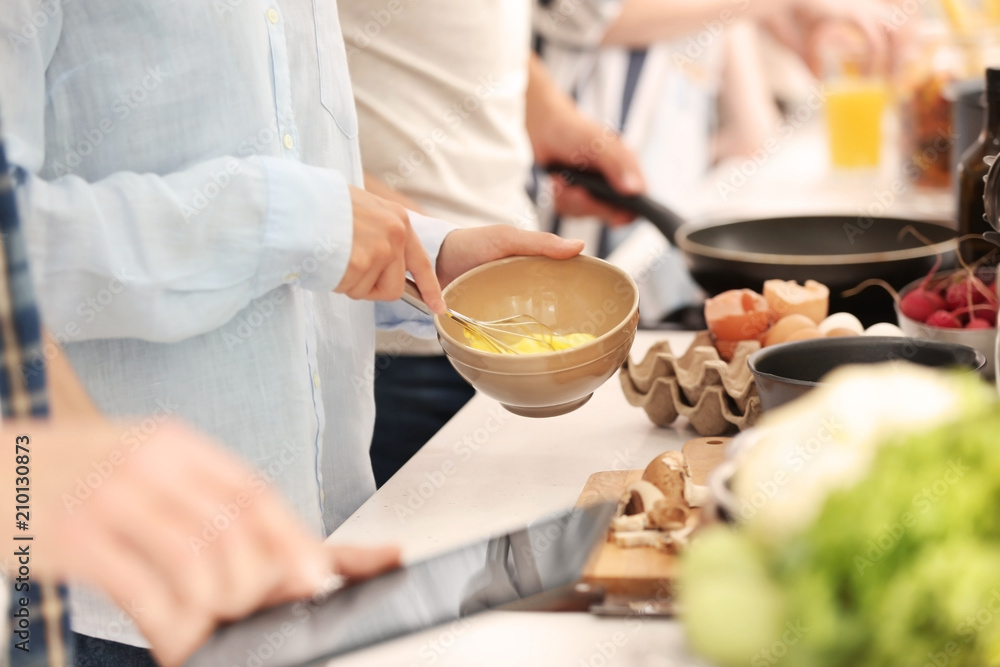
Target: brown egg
(804, 334)
(786, 327)
(841, 331)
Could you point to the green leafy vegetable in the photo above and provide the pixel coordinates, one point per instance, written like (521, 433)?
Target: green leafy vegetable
(901, 567)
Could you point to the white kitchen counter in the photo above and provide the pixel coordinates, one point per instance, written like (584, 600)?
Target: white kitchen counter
(518, 639)
(489, 470)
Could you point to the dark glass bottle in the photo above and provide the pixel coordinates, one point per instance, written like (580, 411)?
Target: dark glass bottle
(972, 170)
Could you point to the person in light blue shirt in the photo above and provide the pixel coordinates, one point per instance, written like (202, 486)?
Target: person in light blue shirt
(190, 179)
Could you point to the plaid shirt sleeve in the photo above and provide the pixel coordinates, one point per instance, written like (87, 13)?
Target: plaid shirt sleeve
(44, 639)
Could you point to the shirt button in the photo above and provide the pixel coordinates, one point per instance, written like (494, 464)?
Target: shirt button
(316, 380)
(272, 15)
(288, 141)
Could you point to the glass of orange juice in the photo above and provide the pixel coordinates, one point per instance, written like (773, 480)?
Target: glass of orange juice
(855, 105)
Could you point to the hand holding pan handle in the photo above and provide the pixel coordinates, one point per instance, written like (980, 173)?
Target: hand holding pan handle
(662, 217)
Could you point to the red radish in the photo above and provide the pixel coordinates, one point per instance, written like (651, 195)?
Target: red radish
(980, 281)
(978, 316)
(917, 304)
(958, 294)
(920, 304)
(981, 311)
(964, 299)
(944, 320)
(987, 293)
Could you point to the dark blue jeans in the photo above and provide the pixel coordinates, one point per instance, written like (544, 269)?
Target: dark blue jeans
(414, 398)
(93, 652)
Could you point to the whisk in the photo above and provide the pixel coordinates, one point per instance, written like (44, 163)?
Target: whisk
(489, 332)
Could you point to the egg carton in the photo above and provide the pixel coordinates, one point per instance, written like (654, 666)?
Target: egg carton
(716, 397)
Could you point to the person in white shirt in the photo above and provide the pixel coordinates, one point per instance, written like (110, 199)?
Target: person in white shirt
(189, 178)
(686, 84)
(453, 110)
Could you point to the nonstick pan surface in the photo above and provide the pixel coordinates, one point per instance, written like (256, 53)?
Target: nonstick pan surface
(839, 251)
(809, 239)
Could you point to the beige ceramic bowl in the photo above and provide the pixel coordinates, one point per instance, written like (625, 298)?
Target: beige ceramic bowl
(579, 295)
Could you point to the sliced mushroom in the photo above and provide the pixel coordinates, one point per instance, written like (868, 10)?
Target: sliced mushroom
(657, 511)
(666, 472)
(696, 495)
(640, 497)
(641, 538)
(629, 523)
(668, 516)
(682, 536)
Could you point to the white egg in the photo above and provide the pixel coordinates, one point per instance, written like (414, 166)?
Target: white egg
(841, 321)
(884, 329)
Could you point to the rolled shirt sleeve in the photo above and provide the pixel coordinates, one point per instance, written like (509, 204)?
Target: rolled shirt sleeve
(159, 268)
(308, 229)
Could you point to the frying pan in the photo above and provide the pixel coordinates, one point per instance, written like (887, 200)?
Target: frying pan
(839, 251)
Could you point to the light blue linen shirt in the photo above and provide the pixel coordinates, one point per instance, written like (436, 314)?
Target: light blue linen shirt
(184, 169)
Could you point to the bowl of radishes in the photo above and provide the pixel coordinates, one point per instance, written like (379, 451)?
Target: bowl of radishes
(954, 306)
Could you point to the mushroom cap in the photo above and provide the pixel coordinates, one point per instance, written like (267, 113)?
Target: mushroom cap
(667, 472)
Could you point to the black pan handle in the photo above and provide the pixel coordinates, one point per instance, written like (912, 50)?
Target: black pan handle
(662, 217)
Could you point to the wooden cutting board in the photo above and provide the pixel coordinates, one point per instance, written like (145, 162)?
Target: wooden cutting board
(642, 571)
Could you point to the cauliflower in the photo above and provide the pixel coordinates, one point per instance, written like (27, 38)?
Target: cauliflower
(826, 440)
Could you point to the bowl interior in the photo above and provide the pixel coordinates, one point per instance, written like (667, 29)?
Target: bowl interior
(578, 295)
(806, 362)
